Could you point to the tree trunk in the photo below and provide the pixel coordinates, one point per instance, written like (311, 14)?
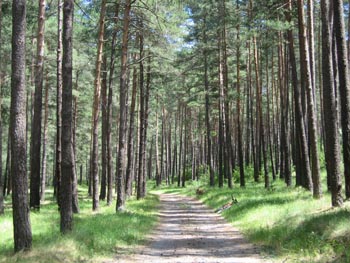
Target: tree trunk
(129, 168)
(75, 201)
(141, 151)
(96, 106)
(110, 108)
(104, 130)
(58, 154)
(36, 124)
(238, 108)
(183, 177)
(122, 114)
(1, 181)
(207, 108)
(21, 220)
(344, 88)
(303, 165)
(44, 160)
(307, 82)
(180, 110)
(329, 109)
(67, 167)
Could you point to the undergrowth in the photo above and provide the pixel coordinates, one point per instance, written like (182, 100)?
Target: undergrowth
(96, 235)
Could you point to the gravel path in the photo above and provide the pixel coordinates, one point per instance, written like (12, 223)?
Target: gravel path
(190, 232)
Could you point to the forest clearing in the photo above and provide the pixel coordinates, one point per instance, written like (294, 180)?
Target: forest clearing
(174, 131)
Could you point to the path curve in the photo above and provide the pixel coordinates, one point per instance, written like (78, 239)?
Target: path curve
(190, 232)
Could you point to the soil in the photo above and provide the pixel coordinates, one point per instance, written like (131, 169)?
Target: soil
(190, 232)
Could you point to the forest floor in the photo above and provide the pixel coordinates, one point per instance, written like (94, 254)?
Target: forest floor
(189, 231)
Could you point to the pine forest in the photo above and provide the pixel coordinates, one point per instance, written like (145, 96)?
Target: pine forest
(174, 131)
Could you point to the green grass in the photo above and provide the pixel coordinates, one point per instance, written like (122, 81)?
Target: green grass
(96, 236)
(287, 223)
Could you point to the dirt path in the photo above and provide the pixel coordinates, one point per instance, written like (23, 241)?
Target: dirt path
(189, 231)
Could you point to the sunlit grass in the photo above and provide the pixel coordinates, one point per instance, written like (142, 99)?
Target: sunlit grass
(287, 223)
(96, 235)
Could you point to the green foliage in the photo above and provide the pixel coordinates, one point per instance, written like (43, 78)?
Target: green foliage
(96, 236)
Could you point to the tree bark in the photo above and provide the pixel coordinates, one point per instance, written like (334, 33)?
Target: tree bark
(21, 219)
(307, 83)
(329, 109)
(110, 108)
(96, 107)
(44, 160)
(122, 114)
(66, 224)
(238, 108)
(58, 149)
(104, 130)
(303, 169)
(36, 124)
(1, 181)
(207, 108)
(344, 88)
(129, 168)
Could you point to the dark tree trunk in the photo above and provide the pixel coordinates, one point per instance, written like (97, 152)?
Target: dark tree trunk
(302, 147)
(7, 177)
(104, 130)
(110, 109)
(307, 83)
(59, 103)
(1, 181)
(36, 124)
(344, 88)
(141, 181)
(122, 114)
(96, 107)
(75, 201)
(44, 160)
(238, 108)
(67, 167)
(181, 113)
(129, 168)
(185, 139)
(329, 109)
(21, 220)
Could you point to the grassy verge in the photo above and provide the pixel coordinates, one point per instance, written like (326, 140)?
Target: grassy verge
(287, 223)
(96, 236)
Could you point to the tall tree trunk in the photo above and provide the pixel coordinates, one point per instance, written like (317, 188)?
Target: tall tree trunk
(257, 152)
(59, 103)
(185, 139)
(110, 108)
(307, 82)
(129, 168)
(104, 129)
(75, 203)
(122, 114)
(1, 181)
(303, 163)
(344, 88)
(36, 124)
(181, 118)
(44, 160)
(96, 106)
(67, 167)
(21, 220)
(141, 185)
(238, 107)
(329, 108)
(207, 108)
